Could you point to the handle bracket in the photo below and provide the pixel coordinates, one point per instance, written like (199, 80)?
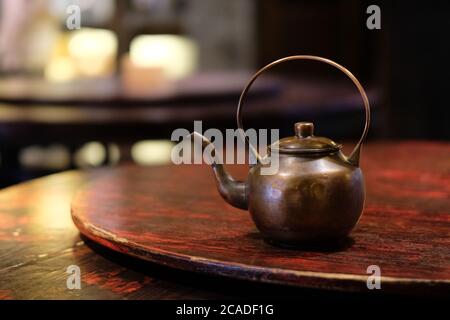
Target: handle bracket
(354, 156)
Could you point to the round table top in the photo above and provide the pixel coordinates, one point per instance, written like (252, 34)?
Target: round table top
(405, 230)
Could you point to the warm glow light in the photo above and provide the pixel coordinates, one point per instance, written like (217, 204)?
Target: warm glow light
(90, 155)
(113, 153)
(176, 55)
(142, 81)
(151, 152)
(93, 50)
(88, 42)
(51, 210)
(60, 69)
(55, 157)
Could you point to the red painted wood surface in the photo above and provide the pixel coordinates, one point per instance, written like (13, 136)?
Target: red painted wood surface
(38, 239)
(172, 215)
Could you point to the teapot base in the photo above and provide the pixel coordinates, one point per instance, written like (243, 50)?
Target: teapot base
(325, 245)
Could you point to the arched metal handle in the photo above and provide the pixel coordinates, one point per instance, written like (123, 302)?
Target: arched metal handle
(354, 156)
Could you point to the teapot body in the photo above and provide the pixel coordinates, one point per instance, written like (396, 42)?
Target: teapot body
(312, 198)
(316, 195)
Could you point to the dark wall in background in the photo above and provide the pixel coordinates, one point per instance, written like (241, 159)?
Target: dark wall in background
(334, 29)
(407, 60)
(417, 79)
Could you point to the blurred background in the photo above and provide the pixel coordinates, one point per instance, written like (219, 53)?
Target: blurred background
(89, 83)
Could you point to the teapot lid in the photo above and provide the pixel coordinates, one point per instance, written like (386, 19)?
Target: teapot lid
(304, 141)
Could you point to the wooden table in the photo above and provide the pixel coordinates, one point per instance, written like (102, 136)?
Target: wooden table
(38, 239)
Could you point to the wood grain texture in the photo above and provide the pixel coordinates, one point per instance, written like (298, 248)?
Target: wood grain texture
(38, 239)
(173, 216)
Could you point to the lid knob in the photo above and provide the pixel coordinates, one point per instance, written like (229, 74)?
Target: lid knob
(304, 129)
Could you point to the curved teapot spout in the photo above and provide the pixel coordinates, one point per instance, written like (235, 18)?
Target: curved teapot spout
(232, 191)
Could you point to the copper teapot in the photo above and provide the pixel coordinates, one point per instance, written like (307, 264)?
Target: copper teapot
(317, 194)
